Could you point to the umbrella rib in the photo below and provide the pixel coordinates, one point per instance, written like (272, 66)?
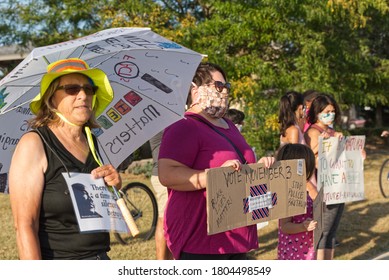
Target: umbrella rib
(30, 86)
(23, 78)
(9, 109)
(101, 62)
(83, 49)
(69, 56)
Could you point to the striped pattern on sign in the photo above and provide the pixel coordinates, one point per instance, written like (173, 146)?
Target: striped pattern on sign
(259, 202)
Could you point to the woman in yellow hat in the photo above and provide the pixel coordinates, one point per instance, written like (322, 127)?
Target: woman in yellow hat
(46, 225)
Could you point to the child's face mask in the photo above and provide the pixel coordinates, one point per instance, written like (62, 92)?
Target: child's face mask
(327, 118)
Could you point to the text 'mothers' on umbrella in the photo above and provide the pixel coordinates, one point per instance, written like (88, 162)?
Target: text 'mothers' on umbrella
(150, 76)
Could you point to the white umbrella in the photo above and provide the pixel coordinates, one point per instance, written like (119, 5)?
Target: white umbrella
(149, 74)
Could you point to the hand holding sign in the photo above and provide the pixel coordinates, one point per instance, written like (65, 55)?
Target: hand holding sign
(340, 170)
(254, 194)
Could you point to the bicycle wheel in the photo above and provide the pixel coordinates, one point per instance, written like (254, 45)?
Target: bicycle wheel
(384, 178)
(141, 203)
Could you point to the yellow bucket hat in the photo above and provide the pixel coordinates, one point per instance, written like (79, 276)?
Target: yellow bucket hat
(103, 95)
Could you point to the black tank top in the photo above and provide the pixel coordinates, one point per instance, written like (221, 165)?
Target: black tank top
(59, 233)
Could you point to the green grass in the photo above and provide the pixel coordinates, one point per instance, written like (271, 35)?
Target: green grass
(8, 250)
(363, 232)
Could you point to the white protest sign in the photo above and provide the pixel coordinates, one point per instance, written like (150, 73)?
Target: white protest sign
(94, 205)
(340, 169)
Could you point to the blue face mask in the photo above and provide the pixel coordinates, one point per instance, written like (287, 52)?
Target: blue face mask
(327, 118)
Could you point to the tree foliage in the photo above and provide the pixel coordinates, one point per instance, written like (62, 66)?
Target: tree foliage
(267, 46)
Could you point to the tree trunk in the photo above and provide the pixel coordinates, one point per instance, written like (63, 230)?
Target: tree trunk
(378, 116)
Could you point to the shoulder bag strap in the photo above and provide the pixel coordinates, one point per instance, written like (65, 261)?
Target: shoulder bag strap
(242, 158)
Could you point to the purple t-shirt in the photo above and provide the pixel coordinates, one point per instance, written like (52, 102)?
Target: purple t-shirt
(194, 144)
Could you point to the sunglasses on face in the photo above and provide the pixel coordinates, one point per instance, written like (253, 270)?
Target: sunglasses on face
(220, 86)
(75, 89)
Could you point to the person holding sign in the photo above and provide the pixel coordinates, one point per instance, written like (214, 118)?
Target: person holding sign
(204, 139)
(71, 95)
(295, 234)
(323, 114)
(291, 119)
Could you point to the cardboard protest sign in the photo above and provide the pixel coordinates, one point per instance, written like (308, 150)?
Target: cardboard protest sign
(318, 207)
(94, 205)
(255, 194)
(340, 169)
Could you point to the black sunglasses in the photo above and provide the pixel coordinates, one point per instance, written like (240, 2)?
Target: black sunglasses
(220, 86)
(75, 89)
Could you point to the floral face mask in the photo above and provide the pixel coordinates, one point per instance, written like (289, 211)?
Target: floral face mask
(212, 102)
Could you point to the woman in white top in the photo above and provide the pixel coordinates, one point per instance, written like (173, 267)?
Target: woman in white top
(291, 118)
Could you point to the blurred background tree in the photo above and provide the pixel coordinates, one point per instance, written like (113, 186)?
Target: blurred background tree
(339, 47)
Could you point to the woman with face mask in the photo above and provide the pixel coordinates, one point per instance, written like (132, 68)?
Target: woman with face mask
(190, 146)
(323, 114)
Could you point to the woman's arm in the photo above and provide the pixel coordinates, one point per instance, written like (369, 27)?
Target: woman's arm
(26, 187)
(178, 176)
(312, 139)
(292, 134)
(288, 227)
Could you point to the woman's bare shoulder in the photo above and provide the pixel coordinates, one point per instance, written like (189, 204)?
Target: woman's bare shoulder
(312, 131)
(30, 143)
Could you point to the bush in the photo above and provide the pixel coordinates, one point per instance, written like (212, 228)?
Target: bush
(144, 167)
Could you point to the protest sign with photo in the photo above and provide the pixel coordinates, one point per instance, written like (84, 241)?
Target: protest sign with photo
(255, 194)
(94, 205)
(340, 169)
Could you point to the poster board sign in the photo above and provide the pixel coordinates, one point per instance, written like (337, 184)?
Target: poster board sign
(255, 194)
(318, 208)
(95, 207)
(340, 169)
